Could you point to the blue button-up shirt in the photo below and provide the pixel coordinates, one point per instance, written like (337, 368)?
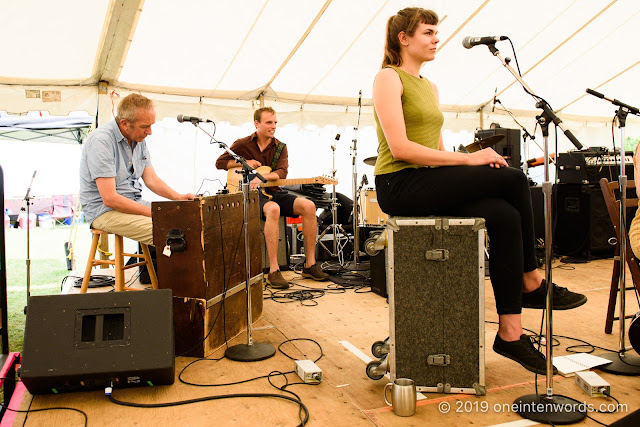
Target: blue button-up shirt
(107, 154)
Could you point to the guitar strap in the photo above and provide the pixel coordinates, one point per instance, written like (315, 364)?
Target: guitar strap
(276, 156)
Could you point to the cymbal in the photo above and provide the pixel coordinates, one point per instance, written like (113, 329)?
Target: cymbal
(371, 161)
(487, 142)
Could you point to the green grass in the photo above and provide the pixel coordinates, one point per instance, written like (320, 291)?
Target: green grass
(48, 269)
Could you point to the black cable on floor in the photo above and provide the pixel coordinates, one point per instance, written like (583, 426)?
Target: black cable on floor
(303, 408)
(96, 281)
(59, 408)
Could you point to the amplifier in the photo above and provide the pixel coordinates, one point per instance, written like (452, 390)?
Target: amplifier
(588, 167)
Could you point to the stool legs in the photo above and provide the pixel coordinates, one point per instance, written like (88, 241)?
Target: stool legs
(119, 259)
(150, 268)
(118, 263)
(87, 271)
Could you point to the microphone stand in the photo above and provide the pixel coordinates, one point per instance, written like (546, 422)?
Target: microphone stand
(251, 351)
(621, 362)
(334, 227)
(356, 230)
(27, 199)
(556, 409)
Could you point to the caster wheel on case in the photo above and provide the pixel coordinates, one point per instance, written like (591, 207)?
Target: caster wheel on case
(372, 370)
(380, 349)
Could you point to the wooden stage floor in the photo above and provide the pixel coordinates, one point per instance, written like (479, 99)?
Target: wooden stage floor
(346, 325)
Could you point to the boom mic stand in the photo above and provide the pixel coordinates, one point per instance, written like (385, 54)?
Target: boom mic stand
(621, 362)
(27, 199)
(251, 351)
(356, 230)
(334, 227)
(556, 409)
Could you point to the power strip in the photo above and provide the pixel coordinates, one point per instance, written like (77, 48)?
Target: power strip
(592, 384)
(308, 371)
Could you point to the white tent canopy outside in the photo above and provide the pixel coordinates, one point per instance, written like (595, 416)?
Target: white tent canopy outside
(310, 59)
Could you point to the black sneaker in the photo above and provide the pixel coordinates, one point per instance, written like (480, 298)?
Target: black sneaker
(523, 352)
(563, 298)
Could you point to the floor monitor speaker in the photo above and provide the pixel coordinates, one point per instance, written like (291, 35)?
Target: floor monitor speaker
(90, 341)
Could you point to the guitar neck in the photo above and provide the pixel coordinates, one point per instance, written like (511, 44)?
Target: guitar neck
(294, 181)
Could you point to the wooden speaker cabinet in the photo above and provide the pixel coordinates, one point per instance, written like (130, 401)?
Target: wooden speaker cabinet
(206, 267)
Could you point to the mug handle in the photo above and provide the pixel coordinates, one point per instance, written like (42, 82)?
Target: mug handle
(385, 393)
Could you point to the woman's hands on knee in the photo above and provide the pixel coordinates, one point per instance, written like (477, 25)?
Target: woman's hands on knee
(489, 157)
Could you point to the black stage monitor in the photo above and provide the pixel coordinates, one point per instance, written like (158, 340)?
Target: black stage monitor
(90, 341)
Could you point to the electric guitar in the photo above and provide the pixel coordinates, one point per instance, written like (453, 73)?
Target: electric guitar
(234, 180)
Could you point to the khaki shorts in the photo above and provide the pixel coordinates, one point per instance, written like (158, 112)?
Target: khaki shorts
(134, 227)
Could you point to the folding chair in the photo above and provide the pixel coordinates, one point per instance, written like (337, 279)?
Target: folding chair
(611, 198)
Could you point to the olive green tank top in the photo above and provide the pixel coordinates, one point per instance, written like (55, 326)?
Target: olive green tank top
(422, 117)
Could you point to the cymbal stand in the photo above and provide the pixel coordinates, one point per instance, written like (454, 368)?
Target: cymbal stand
(621, 362)
(528, 406)
(334, 227)
(251, 351)
(356, 230)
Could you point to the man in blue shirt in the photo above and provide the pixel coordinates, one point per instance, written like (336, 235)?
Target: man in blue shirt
(114, 158)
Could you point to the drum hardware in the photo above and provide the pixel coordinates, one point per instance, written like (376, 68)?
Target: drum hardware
(335, 228)
(371, 161)
(483, 143)
(370, 213)
(354, 153)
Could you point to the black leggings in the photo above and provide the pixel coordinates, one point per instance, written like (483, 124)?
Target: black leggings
(500, 196)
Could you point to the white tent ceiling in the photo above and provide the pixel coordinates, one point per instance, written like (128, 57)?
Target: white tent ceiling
(310, 58)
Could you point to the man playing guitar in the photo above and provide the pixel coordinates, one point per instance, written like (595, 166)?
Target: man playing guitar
(262, 149)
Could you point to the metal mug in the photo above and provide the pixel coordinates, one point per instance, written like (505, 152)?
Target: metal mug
(403, 396)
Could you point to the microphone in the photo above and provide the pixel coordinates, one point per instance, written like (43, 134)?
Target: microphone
(469, 42)
(365, 181)
(632, 110)
(191, 119)
(337, 136)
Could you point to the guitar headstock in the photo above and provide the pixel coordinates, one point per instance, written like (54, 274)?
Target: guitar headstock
(326, 180)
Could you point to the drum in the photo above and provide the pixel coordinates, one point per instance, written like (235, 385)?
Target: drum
(370, 213)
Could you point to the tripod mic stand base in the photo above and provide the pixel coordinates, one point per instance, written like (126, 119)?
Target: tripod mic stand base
(549, 410)
(622, 364)
(250, 353)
